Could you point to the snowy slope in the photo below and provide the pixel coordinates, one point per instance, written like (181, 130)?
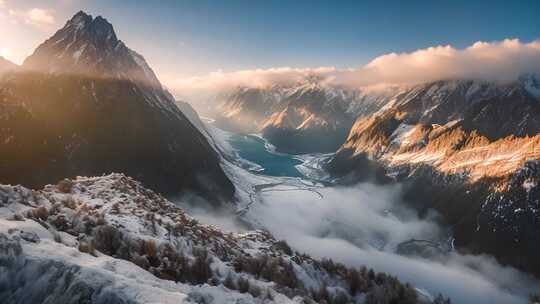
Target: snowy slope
(110, 240)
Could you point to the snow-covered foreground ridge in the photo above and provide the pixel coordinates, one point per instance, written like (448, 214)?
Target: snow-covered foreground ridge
(110, 240)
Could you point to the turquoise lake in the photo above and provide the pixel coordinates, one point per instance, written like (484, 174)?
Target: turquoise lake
(253, 148)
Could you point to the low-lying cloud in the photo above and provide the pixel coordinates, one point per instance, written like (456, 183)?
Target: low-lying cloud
(362, 225)
(223, 217)
(219, 80)
(493, 61)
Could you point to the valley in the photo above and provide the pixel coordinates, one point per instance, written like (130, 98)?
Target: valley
(265, 152)
(325, 219)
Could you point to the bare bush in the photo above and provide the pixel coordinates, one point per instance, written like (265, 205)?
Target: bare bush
(149, 248)
(283, 246)
(107, 239)
(229, 282)
(87, 248)
(65, 186)
(200, 269)
(40, 213)
(243, 285)
(140, 261)
(70, 203)
(57, 237)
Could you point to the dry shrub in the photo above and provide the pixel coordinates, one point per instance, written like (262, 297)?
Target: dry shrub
(57, 237)
(65, 186)
(229, 282)
(140, 261)
(115, 208)
(255, 291)
(283, 246)
(168, 251)
(18, 217)
(100, 221)
(107, 239)
(87, 248)
(70, 203)
(61, 223)
(28, 214)
(243, 285)
(40, 213)
(149, 248)
(179, 230)
(82, 208)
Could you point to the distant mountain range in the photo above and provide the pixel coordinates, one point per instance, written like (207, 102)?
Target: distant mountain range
(305, 117)
(85, 104)
(469, 149)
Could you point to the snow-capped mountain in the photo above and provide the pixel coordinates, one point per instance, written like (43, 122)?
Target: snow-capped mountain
(89, 46)
(460, 146)
(306, 117)
(531, 83)
(85, 104)
(110, 240)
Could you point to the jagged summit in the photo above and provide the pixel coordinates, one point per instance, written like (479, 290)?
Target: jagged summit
(81, 16)
(89, 46)
(85, 104)
(102, 29)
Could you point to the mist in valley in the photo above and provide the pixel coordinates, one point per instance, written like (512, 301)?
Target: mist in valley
(369, 224)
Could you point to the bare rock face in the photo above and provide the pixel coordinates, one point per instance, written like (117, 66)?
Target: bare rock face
(85, 104)
(460, 147)
(89, 46)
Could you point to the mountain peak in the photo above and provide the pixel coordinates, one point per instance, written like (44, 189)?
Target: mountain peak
(89, 46)
(81, 14)
(80, 17)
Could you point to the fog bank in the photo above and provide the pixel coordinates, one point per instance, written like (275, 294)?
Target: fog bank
(501, 61)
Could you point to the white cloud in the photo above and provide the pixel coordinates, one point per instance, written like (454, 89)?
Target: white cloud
(220, 80)
(498, 61)
(348, 223)
(36, 17)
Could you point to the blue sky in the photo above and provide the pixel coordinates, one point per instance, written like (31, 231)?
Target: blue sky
(188, 38)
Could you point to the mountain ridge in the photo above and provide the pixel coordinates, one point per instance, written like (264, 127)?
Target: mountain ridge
(111, 229)
(291, 117)
(459, 147)
(89, 46)
(98, 115)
